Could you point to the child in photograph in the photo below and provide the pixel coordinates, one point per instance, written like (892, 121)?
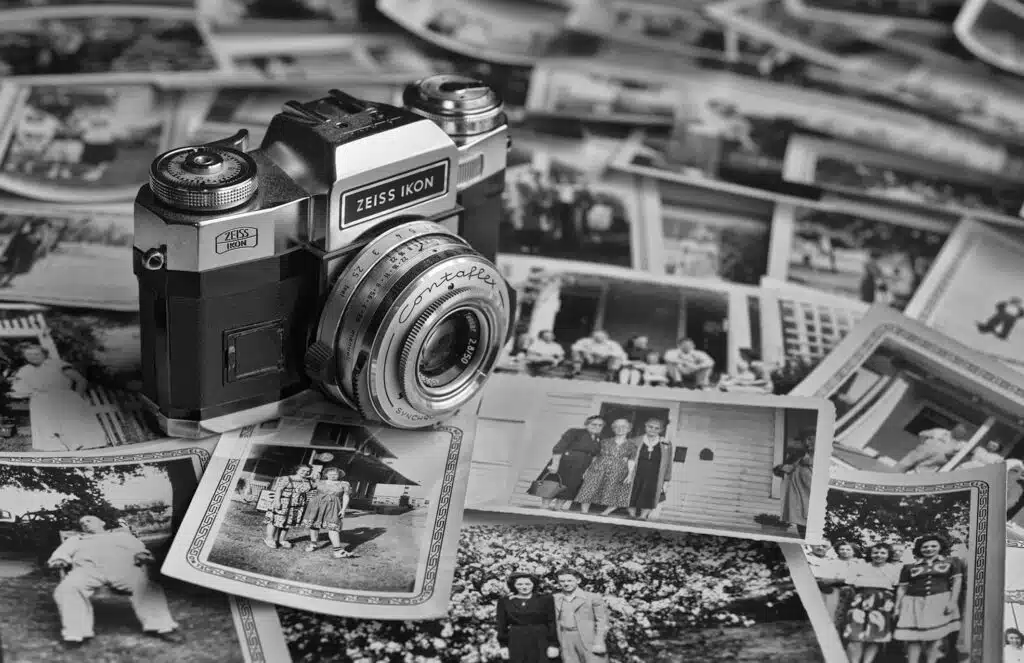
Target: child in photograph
(42, 373)
(655, 371)
(927, 599)
(796, 482)
(291, 497)
(632, 371)
(326, 511)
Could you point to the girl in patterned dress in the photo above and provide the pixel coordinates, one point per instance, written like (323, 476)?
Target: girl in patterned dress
(608, 479)
(928, 599)
(291, 494)
(326, 510)
(868, 622)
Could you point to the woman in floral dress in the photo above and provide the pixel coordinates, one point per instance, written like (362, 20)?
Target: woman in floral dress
(868, 622)
(291, 494)
(608, 480)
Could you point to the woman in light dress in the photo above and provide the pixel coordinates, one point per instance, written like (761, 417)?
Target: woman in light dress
(608, 481)
(326, 511)
(796, 474)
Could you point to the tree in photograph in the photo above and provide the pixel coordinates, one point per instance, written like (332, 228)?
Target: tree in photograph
(869, 517)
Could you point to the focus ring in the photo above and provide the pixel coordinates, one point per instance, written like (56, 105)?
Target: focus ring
(417, 327)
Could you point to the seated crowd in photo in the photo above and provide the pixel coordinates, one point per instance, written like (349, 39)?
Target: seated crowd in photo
(938, 446)
(893, 602)
(598, 357)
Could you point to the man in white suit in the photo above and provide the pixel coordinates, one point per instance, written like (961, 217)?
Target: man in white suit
(582, 619)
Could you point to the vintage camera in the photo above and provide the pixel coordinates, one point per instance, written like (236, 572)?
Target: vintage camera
(352, 252)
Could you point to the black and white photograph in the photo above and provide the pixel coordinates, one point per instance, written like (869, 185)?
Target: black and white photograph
(874, 259)
(706, 235)
(910, 568)
(1015, 502)
(58, 255)
(743, 465)
(270, 18)
(557, 206)
(929, 17)
(635, 597)
(972, 292)
(70, 380)
(515, 32)
(828, 44)
(910, 400)
(81, 541)
(675, 30)
(566, 88)
(991, 30)
(85, 143)
(799, 327)
(898, 180)
(1013, 625)
(108, 43)
(339, 518)
(594, 323)
(28, 4)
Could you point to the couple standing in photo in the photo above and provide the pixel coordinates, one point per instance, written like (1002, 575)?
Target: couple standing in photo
(535, 627)
(616, 472)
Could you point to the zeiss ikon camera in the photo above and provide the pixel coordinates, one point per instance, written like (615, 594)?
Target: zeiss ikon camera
(352, 252)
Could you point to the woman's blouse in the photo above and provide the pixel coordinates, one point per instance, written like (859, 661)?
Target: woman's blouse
(332, 487)
(885, 576)
(934, 577)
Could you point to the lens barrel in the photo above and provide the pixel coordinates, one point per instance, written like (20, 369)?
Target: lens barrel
(412, 327)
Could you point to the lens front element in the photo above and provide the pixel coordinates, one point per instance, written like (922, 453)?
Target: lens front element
(415, 321)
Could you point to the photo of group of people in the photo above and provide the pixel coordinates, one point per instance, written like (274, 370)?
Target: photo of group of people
(362, 514)
(556, 210)
(585, 324)
(603, 451)
(903, 573)
(528, 583)
(85, 141)
(81, 542)
(64, 41)
(874, 260)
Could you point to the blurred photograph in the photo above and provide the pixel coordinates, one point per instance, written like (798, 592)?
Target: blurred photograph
(596, 594)
(800, 326)
(972, 295)
(343, 519)
(706, 235)
(111, 43)
(909, 567)
(930, 17)
(991, 30)
(70, 380)
(910, 400)
(500, 31)
(875, 260)
(591, 323)
(652, 458)
(84, 144)
(82, 538)
(268, 18)
(53, 255)
(895, 180)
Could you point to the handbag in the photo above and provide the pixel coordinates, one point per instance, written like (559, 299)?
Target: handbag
(547, 488)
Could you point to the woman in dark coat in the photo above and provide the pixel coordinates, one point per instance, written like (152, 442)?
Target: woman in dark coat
(526, 621)
(22, 250)
(570, 458)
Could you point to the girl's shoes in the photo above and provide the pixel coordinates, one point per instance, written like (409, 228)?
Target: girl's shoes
(286, 544)
(310, 547)
(270, 543)
(341, 554)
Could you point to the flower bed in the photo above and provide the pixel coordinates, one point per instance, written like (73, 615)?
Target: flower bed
(656, 585)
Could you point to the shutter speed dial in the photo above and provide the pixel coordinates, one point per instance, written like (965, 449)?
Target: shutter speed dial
(204, 179)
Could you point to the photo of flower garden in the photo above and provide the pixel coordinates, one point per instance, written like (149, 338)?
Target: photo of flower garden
(670, 597)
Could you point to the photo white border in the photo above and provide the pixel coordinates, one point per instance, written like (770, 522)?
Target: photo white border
(963, 28)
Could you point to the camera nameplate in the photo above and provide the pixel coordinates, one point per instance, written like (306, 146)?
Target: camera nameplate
(395, 193)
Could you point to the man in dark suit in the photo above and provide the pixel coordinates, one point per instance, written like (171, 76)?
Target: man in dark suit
(581, 619)
(1002, 322)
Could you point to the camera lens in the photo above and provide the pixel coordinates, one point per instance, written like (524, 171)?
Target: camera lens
(412, 327)
(449, 349)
